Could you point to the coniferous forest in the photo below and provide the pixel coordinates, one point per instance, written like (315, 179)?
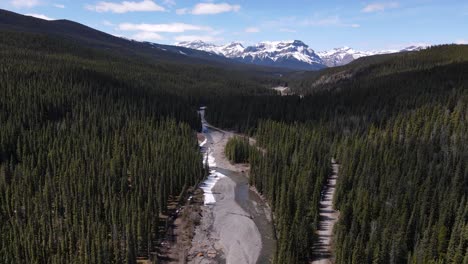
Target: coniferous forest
(87, 162)
(94, 144)
(238, 150)
(399, 130)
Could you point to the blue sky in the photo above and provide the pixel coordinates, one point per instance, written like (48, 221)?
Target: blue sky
(322, 24)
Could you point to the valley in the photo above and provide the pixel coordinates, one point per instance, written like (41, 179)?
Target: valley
(236, 223)
(297, 156)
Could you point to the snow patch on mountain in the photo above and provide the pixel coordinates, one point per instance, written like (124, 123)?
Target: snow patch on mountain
(276, 50)
(230, 50)
(341, 56)
(290, 54)
(345, 55)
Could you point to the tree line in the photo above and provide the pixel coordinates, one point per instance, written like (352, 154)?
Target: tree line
(93, 145)
(399, 130)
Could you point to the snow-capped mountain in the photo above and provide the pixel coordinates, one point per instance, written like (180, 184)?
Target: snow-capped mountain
(345, 55)
(231, 50)
(199, 45)
(290, 54)
(413, 48)
(341, 56)
(293, 54)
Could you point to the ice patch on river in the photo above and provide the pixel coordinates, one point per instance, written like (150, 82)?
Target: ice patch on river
(214, 176)
(208, 184)
(210, 181)
(210, 159)
(203, 143)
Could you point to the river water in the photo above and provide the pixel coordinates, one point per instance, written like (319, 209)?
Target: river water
(246, 198)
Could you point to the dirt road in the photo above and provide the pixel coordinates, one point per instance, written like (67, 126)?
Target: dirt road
(328, 217)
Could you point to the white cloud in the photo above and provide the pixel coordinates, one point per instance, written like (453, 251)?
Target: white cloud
(381, 6)
(169, 2)
(25, 3)
(287, 30)
(59, 6)
(205, 38)
(182, 11)
(41, 16)
(125, 6)
(461, 42)
(147, 36)
(170, 28)
(252, 30)
(151, 32)
(285, 23)
(328, 21)
(209, 9)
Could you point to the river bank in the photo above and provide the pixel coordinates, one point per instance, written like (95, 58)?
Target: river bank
(237, 227)
(227, 222)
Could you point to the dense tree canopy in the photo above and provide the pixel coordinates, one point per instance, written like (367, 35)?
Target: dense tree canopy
(398, 128)
(94, 144)
(92, 147)
(238, 149)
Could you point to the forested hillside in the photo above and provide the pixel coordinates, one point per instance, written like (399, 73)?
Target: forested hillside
(290, 174)
(373, 66)
(92, 146)
(94, 143)
(399, 130)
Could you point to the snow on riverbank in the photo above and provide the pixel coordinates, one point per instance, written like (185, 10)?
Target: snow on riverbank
(226, 229)
(203, 143)
(214, 176)
(208, 184)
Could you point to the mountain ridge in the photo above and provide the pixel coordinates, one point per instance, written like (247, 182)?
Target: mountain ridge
(293, 54)
(271, 55)
(290, 53)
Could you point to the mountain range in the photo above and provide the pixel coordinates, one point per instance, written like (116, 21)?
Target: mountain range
(293, 54)
(267, 56)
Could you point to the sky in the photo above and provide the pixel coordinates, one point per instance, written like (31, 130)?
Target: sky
(321, 24)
